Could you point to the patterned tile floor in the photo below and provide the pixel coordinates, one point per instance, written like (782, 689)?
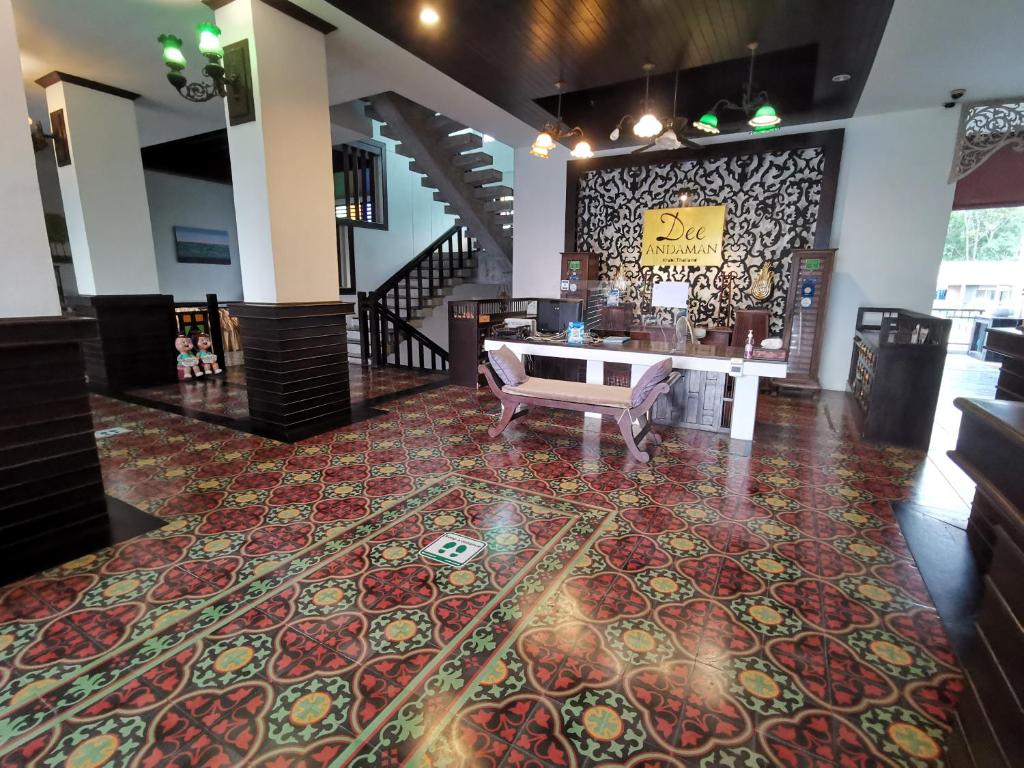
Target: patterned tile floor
(225, 394)
(702, 610)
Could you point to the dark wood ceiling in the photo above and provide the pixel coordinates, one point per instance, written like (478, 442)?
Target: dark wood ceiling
(512, 52)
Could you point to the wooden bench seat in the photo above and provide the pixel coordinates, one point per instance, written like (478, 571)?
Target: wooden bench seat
(578, 396)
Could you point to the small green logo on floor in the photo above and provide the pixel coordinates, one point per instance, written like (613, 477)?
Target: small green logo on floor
(453, 549)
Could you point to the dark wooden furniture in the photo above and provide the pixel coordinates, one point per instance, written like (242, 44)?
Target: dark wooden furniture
(469, 322)
(134, 346)
(979, 335)
(296, 367)
(895, 373)
(578, 274)
(1008, 344)
(617, 319)
(624, 416)
(810, 277)
(989, 727)
(52, 508)
(718, 336)
(755, 320)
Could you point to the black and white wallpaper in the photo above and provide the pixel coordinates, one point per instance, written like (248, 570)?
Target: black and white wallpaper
(771, 203)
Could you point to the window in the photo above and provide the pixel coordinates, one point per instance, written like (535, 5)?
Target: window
(346, 257)
(360, 184)
(940, 294)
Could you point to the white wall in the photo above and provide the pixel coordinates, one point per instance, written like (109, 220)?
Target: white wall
(538, 235)
(103, 192)
(891, 215)
(29, 288)
(415, 220)
(187, 202)
(892, 211)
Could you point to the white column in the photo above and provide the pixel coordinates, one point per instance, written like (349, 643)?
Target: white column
(103, 189)
(281, 162)
(28, 288)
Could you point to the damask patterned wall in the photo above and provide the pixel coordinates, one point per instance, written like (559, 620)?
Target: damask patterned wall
(772, 201)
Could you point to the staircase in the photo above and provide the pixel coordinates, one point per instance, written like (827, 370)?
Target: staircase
(387, 317)
(453, 164)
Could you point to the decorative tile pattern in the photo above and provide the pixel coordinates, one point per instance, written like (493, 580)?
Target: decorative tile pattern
(704, 609)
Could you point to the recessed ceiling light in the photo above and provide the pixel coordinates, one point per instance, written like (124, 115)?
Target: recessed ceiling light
(842, 77)
(429, 16)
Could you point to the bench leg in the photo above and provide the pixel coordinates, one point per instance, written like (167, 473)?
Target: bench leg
(626, 428)
(508, 412)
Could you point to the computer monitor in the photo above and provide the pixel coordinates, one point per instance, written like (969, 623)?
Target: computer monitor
(554, 315)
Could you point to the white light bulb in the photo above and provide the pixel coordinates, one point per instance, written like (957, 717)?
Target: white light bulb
(582, 150)
(544, 140)
(614, 135)
(647, 126)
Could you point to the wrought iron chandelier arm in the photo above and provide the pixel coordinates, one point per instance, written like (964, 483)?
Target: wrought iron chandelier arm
(198, 92)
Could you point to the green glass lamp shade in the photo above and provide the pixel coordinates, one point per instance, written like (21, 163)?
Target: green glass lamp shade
(765, 128)
(209, 41)
(765, 116)
(708, 123)
(173, 57)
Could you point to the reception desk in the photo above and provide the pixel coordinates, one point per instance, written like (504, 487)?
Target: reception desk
(745, 373)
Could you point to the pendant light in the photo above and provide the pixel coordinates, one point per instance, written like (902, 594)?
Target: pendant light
(648, 126)
(761, 114)
(551, 133)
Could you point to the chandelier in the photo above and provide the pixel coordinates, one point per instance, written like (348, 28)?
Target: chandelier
(761, 115)
(664, 133)
(647, 126)
(552, 133)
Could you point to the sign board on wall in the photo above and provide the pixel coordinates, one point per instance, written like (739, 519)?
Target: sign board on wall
(683, 237)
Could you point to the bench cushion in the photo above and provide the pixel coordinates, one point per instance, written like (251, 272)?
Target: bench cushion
(652, 377)
(508, 367)
(572, 392)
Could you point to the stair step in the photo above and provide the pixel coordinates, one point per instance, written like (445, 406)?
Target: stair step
(479, 178)
(415, 168)
(461, 142)
(439, 197)
(389, 133)
(426, 182)
(498, 206)
(472, 160)
(443, 124)
(492, 192)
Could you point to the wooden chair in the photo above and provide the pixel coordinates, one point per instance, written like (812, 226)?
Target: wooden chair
(577, 396)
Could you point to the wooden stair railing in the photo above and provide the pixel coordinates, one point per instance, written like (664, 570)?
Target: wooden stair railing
(384, 314)
(385, 333)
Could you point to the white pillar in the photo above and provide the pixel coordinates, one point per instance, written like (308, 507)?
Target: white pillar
(103, 188)
(281, 162)
(28, 288)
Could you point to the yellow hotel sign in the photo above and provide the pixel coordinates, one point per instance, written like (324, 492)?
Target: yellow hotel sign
(683, 237)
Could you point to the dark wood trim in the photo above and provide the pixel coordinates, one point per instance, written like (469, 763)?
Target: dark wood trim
(288, 9)
(830, 141)
(63, 77)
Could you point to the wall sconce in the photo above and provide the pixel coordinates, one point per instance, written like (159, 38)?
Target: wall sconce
(227, 68)
(552, 132)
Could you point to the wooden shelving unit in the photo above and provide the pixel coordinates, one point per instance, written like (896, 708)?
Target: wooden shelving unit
(469, 322)
(896, 372)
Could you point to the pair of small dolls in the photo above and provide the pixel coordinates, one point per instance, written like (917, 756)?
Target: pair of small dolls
(194, 364)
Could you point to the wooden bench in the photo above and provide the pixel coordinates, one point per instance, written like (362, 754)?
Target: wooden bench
(577, 396)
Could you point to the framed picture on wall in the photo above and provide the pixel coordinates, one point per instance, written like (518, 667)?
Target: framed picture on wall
(202, 246)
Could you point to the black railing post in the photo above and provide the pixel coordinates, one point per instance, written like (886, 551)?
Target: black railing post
(364, 327)
(213, 323)
(373, 321)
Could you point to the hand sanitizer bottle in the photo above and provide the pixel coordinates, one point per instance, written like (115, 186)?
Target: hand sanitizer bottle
(748, 348)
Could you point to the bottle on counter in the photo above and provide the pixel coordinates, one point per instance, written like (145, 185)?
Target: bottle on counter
(748, 348)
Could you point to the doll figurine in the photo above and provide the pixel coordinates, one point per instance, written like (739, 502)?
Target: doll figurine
(206, 357)
(188, 363)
